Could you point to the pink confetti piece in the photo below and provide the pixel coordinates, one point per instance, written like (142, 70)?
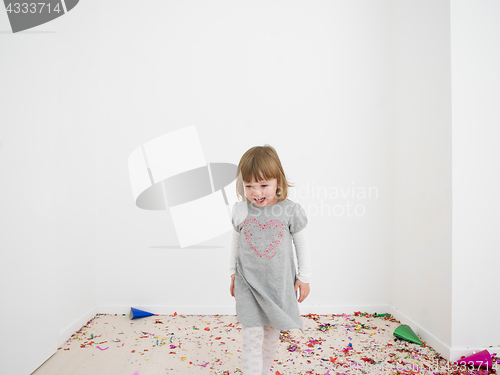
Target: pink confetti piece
(205, 364)
(98, 347)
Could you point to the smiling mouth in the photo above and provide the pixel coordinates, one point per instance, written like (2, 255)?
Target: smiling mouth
(261, 200)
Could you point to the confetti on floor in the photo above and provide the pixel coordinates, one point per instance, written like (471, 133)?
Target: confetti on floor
(343, 344)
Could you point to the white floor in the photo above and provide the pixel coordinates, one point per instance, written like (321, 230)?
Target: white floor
(211, 344)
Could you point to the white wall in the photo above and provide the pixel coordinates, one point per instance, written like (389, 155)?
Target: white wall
(422, 252)
(475, 86)
(311, 79)
(48, 190)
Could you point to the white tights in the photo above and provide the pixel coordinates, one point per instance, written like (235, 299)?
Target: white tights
(260, 346)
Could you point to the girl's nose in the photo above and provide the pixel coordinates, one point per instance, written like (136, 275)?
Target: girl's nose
(256, 191)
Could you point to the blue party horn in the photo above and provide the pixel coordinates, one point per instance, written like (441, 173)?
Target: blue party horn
(136, 313)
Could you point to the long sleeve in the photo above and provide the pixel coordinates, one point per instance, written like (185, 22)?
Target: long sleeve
(301, 243)
(235, 244)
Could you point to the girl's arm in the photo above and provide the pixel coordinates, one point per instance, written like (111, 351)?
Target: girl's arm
(301, 243)
(234, 252)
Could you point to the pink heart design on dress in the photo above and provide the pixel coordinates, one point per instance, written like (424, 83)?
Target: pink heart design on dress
(273, 231)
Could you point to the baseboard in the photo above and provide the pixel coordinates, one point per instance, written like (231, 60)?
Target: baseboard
(67, 332)
(168, 310)
(451, 354)
(230, 310)
(438, 345)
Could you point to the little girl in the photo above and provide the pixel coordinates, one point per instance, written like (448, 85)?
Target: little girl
(264, 281)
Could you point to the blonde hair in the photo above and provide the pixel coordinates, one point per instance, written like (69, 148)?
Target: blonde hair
(261, 163)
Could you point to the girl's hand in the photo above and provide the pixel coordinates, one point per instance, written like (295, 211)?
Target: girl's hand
(231, 288)
(304, 289)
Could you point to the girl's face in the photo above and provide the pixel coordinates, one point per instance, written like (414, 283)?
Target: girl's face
(262, 193)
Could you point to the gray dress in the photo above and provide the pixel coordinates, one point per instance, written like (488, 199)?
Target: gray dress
(264, 284)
